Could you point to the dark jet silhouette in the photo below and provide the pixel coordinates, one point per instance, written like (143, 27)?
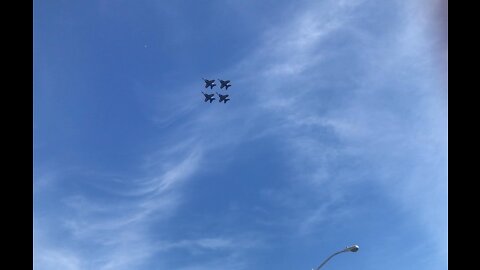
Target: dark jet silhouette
(210, 83)
(224, 84)
(209, 97)
(223, 98)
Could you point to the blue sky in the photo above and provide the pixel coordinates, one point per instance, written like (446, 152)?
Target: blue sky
(335, 134)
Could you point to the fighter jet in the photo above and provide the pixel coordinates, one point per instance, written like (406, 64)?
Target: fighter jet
(210, 83)
(209, 97)
(223, 98)
(224, 84)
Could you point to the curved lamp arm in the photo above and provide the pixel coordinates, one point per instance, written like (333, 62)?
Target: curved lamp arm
(353, 248)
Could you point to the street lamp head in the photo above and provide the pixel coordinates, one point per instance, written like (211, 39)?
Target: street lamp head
(353, 248)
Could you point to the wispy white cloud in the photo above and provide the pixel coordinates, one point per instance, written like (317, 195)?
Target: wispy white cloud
(47, 258)
(234, 261)
(391, 116)
(407, 142)
(281, 71)
(118, 227)
(240, 242)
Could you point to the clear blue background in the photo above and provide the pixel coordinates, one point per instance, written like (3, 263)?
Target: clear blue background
(335, 134)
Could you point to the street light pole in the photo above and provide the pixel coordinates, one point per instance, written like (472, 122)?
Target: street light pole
(353, 248)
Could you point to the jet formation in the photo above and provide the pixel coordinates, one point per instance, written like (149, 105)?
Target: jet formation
(211, 83)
